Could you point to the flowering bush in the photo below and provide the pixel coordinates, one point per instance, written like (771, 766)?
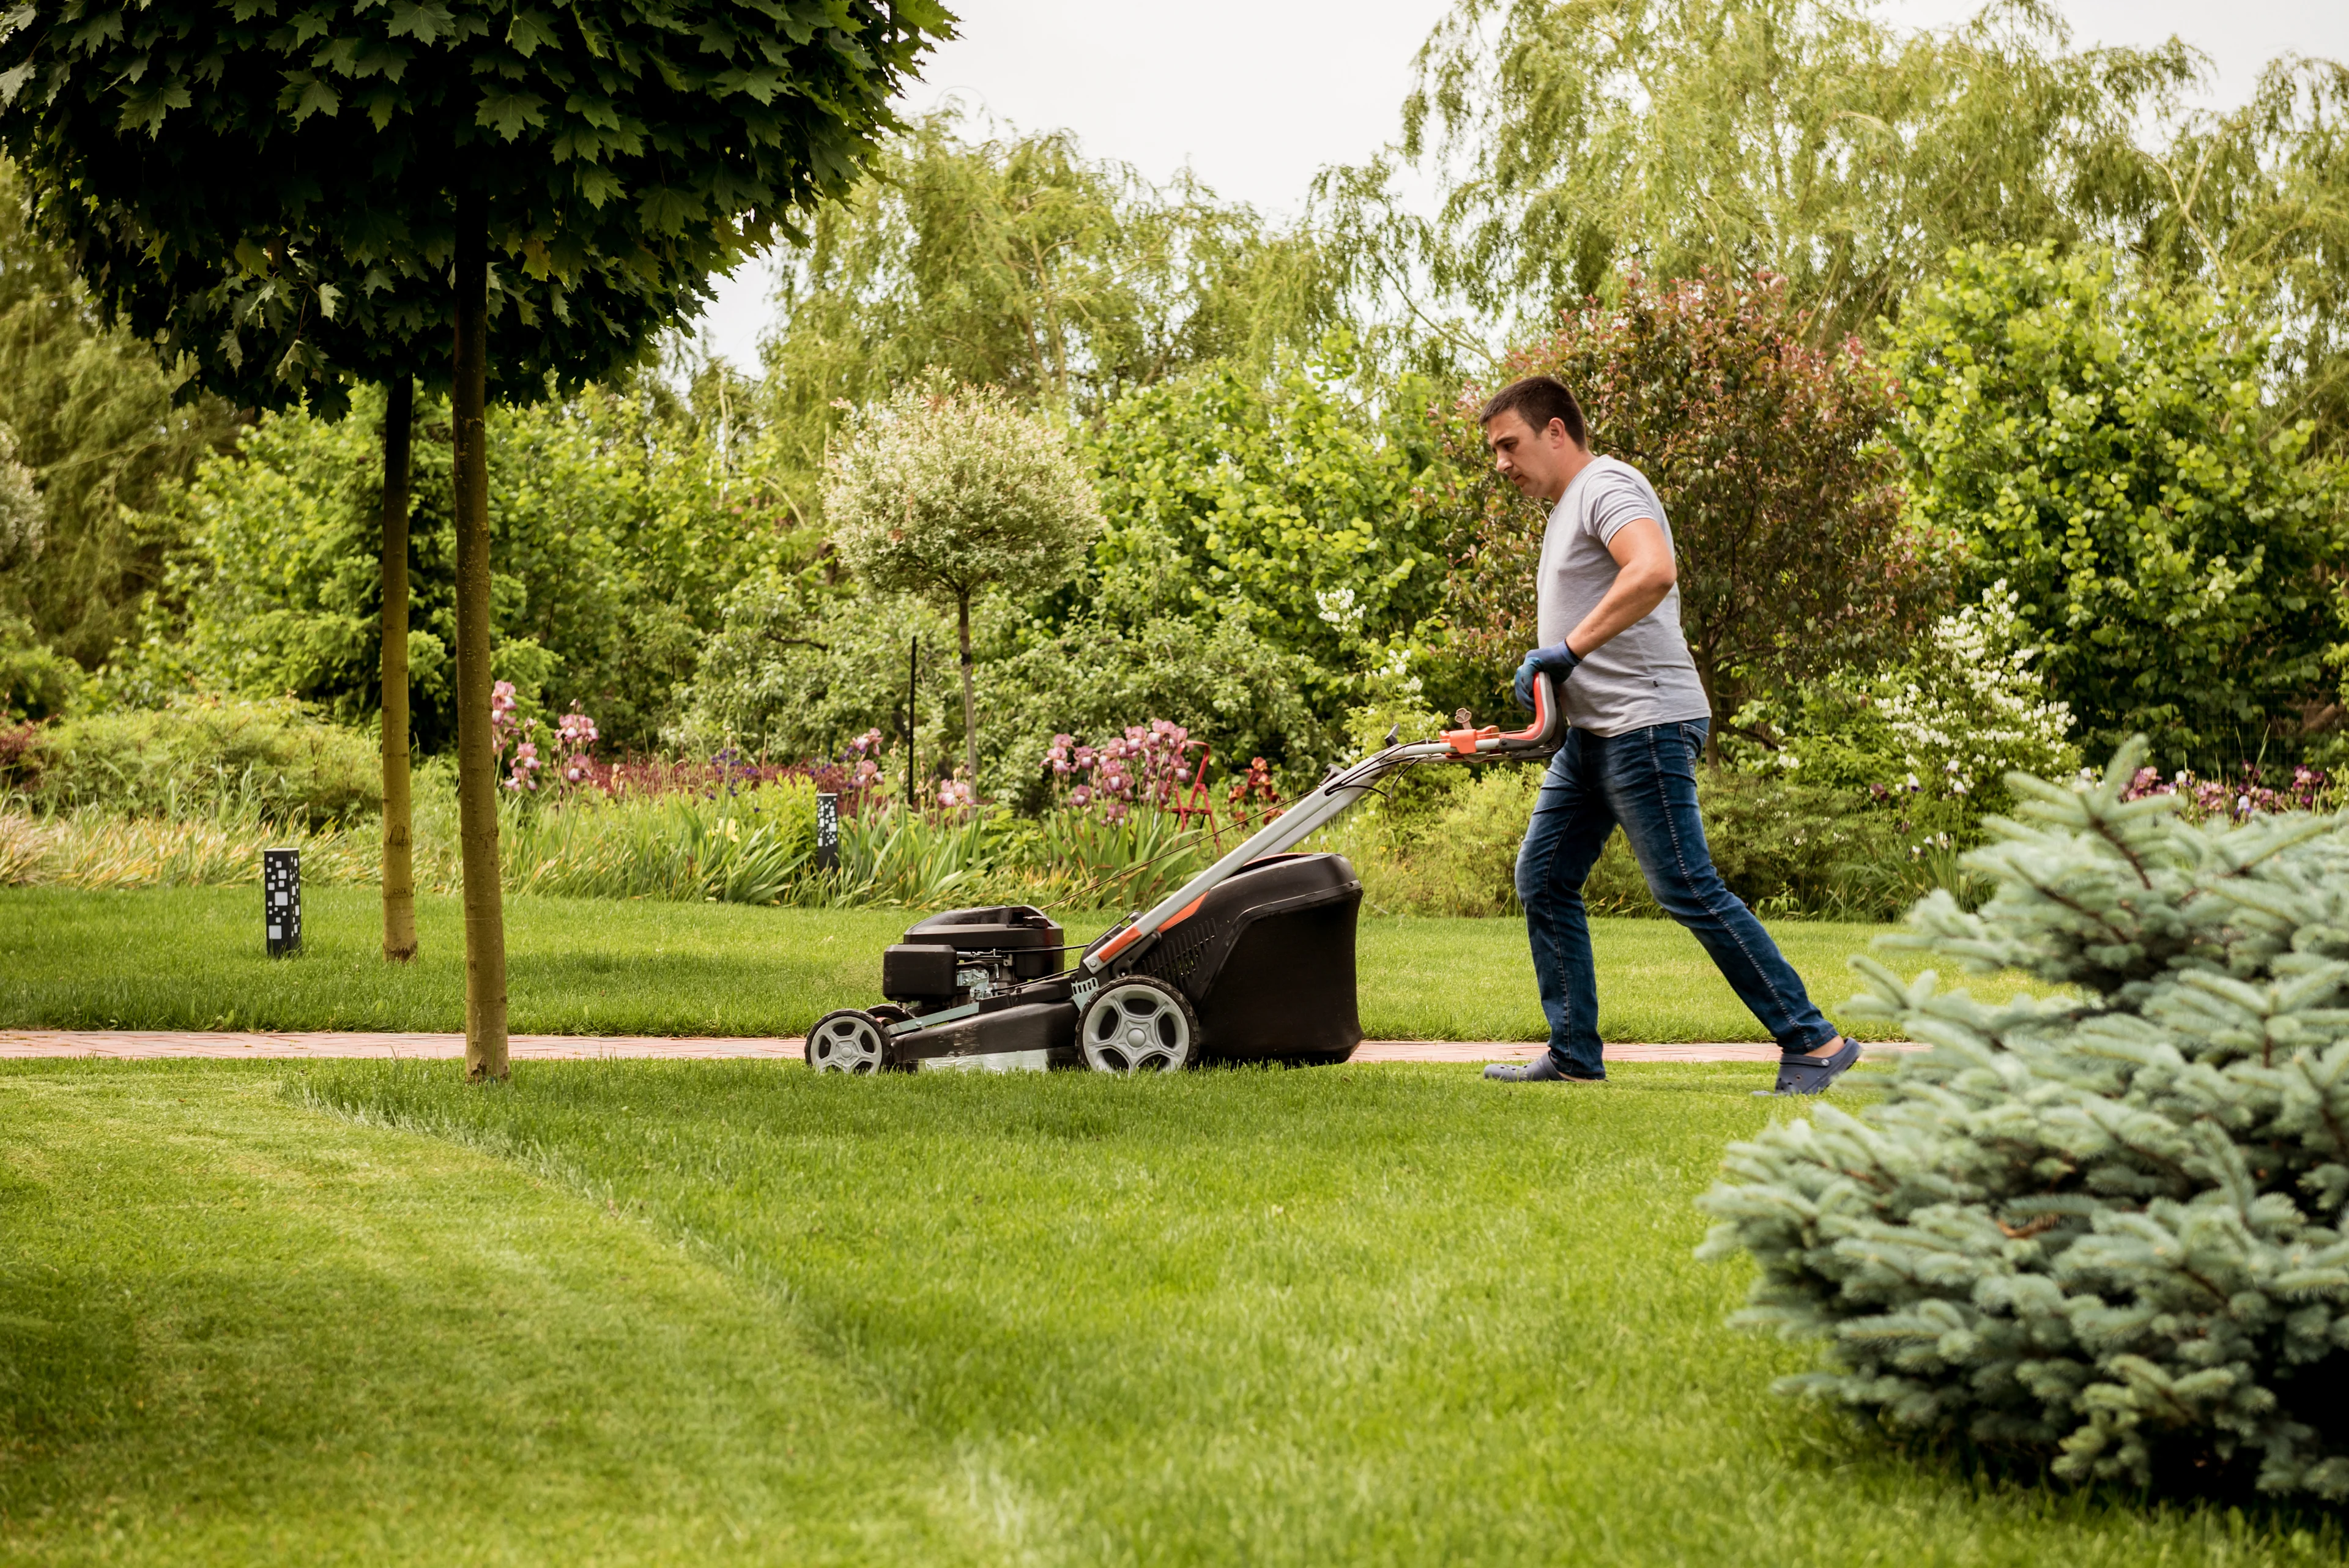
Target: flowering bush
(578, 735)
(509, 728)
(1146, 765)
(1941, 730)
(2237, 800)
(1971, 709)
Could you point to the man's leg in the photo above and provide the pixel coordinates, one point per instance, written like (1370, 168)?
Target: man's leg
(1570, 824)
(1651, 780)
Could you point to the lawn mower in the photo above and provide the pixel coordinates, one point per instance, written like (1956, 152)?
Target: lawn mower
(1250, 960)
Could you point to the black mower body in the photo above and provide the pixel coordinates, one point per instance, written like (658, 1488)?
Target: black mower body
(1265, 959)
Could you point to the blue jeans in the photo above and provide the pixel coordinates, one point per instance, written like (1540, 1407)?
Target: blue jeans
(1645, 782)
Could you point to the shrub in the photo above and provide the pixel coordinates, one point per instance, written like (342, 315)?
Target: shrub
(617, 530)
(2108, 448)
(1947, 723)
(795, 673)
(35, 680)
(272, 755)
(2104, 1228)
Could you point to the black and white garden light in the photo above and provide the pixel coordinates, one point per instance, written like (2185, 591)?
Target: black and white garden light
(281, 900)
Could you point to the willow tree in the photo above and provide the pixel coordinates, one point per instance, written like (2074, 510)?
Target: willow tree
(1574, 140)
(425, 146)
(1014, 260)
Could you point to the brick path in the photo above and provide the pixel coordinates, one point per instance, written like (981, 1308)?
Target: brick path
(141, 1044)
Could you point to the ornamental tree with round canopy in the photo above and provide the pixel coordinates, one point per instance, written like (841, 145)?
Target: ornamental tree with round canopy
(415, 151)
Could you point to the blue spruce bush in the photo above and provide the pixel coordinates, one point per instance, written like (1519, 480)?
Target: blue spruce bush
(2104, 1228)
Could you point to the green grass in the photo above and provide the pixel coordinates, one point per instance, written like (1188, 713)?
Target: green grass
(233, 1330)
(191, 958)
(617, 1313)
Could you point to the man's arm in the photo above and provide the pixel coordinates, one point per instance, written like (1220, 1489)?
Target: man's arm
(1645, 575)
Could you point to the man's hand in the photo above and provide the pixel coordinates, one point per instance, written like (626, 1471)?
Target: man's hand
(1556, 659)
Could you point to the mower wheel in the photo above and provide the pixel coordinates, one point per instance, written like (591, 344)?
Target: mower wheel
(1138, 1024)
(848, 1040)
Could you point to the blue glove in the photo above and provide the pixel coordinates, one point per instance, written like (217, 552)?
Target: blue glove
(1555, 660)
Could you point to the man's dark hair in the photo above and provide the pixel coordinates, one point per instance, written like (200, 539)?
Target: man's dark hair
(1537, 399)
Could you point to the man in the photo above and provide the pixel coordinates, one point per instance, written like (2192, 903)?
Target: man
(1609, 614)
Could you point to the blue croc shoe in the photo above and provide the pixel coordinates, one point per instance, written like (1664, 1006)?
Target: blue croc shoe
(1542, 1069)
(1799, 1074)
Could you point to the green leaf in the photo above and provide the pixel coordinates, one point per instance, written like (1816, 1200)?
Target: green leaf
(314, 95)
(425, 23)
(145, 110)
(666, 211)
(530, 31)
(511, 113)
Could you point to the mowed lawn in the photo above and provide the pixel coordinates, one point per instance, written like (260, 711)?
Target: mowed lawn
(191, 959)
(736, 1313)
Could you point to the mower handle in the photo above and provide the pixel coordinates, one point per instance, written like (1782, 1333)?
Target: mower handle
(1330, 798)
(1538, 739)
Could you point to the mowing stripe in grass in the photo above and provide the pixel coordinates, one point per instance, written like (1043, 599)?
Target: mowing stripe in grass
(233, 1330)
(1393, 1315)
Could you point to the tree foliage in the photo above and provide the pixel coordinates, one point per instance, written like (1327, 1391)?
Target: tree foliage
(1579, 140)
(1014, 261)
(950, 493)
(619, 156)
(1784, 503)
(1281, 501)
(94, 420)
(2258, 211)
(2103, 1227)
(2103, 448)
(616, 539)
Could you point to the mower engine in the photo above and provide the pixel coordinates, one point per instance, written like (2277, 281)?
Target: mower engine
(965, 955)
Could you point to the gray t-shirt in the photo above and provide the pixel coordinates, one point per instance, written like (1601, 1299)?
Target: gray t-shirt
(1643, 675)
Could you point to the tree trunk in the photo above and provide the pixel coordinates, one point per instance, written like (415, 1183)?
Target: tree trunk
(477, 766)
(970, 702)
(398, 844)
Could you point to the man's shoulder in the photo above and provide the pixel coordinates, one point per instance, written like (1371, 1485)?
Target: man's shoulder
(1612, 473)
(1605, 490)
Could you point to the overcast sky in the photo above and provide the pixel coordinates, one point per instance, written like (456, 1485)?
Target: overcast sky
(1257, 95)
